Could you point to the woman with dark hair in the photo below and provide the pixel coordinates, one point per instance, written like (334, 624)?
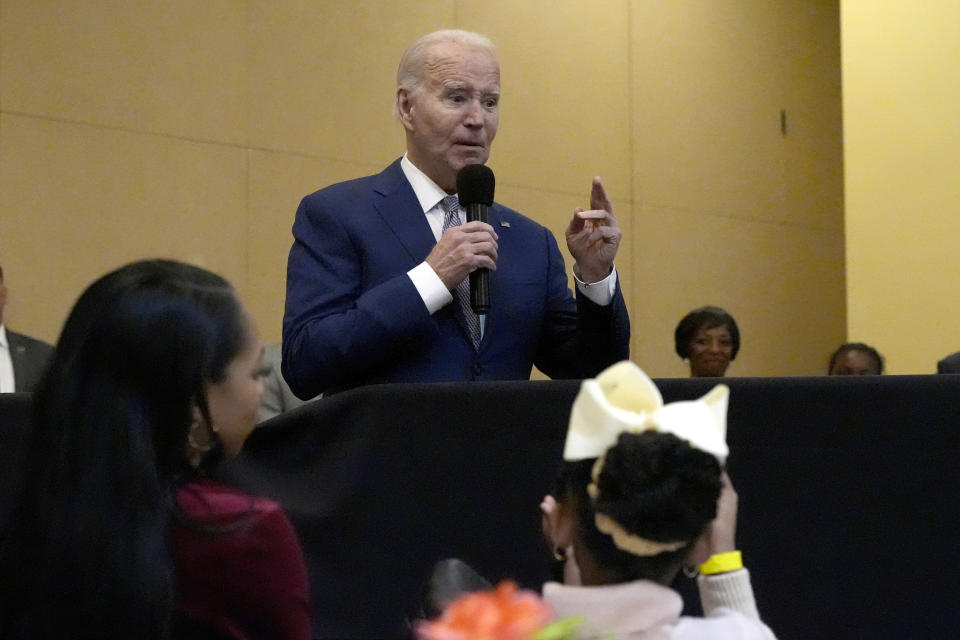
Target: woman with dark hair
(120, 532)
(642, 494)
(855, 359)
(709, 339)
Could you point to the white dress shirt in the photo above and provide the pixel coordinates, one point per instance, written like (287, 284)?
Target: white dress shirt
(7, 382)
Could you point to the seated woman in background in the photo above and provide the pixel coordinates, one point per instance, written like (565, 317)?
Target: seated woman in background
(642, 494)
(709, 339)
(119, 532)
(855, 359)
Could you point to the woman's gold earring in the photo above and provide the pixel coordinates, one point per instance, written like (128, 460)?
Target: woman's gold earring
(198, 446)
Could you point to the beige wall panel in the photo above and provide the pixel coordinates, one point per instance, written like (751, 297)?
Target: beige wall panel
(565, 112)
(168, 67)
(277, 183)
(901, 99)
(732, 212)
(79, 200)
(813, 163)
(322, 74)
(707, 99)
(778, 282)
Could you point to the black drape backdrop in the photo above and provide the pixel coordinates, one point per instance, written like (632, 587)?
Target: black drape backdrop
(849, 494)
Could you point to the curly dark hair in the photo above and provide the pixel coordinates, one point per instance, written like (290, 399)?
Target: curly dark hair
(657, 487)
(704, 318)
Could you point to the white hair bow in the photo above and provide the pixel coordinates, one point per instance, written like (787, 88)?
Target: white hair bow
(623, 398)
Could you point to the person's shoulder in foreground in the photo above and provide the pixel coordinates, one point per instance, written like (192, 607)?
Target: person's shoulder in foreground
(240, 566)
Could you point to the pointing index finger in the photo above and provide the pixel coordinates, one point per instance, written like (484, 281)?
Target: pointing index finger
(598, 196)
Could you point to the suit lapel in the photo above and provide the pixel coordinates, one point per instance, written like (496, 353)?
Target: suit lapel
(496, 290)
(397, 204)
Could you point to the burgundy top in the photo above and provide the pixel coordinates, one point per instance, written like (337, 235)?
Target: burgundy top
(240, 569)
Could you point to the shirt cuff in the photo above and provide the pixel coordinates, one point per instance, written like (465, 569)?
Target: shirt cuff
(731, 590)
(600, 293)
(430, 287)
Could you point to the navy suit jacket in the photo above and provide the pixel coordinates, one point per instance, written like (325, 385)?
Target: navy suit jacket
(29, 357)
(354, 317)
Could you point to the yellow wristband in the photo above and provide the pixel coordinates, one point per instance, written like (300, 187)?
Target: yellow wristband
(722, 562)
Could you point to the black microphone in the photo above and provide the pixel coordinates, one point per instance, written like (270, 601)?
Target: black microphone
(475, 184)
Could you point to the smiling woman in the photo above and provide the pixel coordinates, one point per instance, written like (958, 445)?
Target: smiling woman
(709, 339)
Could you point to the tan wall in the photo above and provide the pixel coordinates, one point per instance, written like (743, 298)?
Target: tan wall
(901, 104)
(191, 130)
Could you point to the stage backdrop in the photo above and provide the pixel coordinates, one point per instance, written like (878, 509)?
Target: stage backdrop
(848, 495)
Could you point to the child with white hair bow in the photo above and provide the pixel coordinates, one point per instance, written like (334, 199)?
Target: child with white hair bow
(643, 494)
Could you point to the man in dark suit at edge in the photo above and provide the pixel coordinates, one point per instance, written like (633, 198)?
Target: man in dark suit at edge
(374, 262)
(22, 358)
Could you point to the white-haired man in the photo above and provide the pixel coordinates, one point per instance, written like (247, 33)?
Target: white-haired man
(375, 261)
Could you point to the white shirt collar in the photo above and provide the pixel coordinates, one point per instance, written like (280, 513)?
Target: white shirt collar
(426, 190)
(3, 337)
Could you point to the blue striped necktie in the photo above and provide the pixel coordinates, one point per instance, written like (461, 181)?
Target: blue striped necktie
(451, 218)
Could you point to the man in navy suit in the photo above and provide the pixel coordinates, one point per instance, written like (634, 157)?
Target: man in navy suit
(374, 262)
(22, 358)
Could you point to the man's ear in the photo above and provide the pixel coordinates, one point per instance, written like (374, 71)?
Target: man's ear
(405, 108)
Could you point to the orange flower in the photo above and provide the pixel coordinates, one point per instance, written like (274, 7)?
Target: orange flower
(506, 613)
